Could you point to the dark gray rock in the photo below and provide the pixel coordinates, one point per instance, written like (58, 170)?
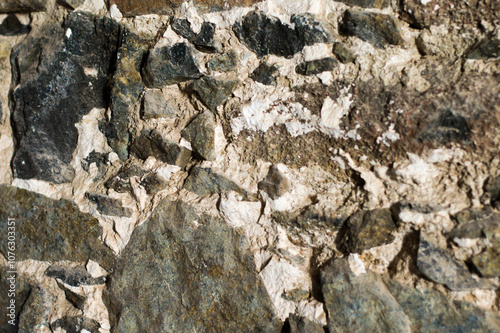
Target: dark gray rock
(204, 40)
(316, 66)
(151, 143)
(126, 89)
(156, 106)
(366, 229)
(367, 3)
(489, 48)
(121, 182)
(377, 29)
(182, 27)
(308, 218)
(54, 92)
(488, 262)
(51, 230)
(15, 285)
(275, 184)
(448, 126)
(441, 267)
(73, 276)
(265, 74)
(170, 65)
(491, 194)
(70, 4)
(188, 277)
(203, 181)
(349, 297)
(223, 63)
(22, 6)
(214, 92)
(11, 26)
(100, 159)
(107, 205)
(201, 133)
(310, 30)
(154, 183)
(343, 53)
(75, 324)
(480, 224)
(303, 325)
(77, 300)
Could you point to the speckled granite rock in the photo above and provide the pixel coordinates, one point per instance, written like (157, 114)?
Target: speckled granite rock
(190, 273)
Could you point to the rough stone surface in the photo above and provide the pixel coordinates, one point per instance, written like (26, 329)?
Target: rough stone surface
(343, 54)
(190, 273)
(367, 229)
(61, 231)
(440, 267)
(23, 289)
(316, 66)
(107, 205)
(200, 132)
(488, 262)
(310, 30)
(265, 74)
(223, 63)
(74, 277)
(204, 40)
(151, 143)
(11, 26)
(71, 4)
(182, 27)
(302, 325)
(54, 92)
(169, 65)
(275, 184)
(214, 92)
(377, 29)
(22, 6)
(204, 181)
(121, 181)
(368, 3)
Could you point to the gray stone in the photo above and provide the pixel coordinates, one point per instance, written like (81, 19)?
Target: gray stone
(223, 63)
(203, 181)
(8, 283)
(22, 6)
(360, 302)
(441, 267)
(488, 262)
(379, 4)
(481, 224)
(343, 53)
(310, 30)
(121, 181)
(11, 26)
(107, 205)
(303, 325)
(275, 184)
(316, 66)
(447, 126)
(77, 300)
(182, 27)
(489, 48)
(152, 143)
(491, 194)
(308, 218)
(75, 324)
(154, 183)
(377, 29)
(73, 276)
(366, 229)
(200, 132)
(265, 74)
(188, 277)
(204, 40)
(169, 65)
(214, 92)
(51, 230)
(71, 4)
(54, 92)
(156, 106)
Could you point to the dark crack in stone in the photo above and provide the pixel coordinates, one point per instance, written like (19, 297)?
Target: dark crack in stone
(275, 184)
(265, 74)
(188, 276)
(350, 296)
(11, 26)
(51, 230)
(203, 181)
(107, 205)
(343, 53)
(73, 276)
(379, 4)
(152, 143)
(169, 65)
(377, 29)
(223, 63)
(441, 267)
(316, 66)
(214, 92)
(54, 92)
(366, 229)
(22, 6)
(201, 133)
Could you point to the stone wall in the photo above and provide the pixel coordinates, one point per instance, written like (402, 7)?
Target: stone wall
(250, 166)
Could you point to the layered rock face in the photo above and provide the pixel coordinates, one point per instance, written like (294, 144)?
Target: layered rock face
(249, 166)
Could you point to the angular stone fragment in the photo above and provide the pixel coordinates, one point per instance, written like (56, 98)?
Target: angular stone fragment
(350, 296)
(489, 48)
(77, 300)
(182, 27)
(265, 74)
(108, 206)
(223, 63)
(366, 229)
(121, 182)
(316, 66)
(75, 324)
(488, 262)
(151, 143)
(56, 90)
(448, 126)
(377, 29)
(310, 30)
(11, 26)
(303, 325)
(379, 4)
(154, 183)
(491, 194)
(51, 230)
(203, 181)
(169, 65)
(155, 105)
(22, 6)
(343, 53)
(201, 133)
(71, 4)
(22, 291)
(204, 40)
(73, 276)
(275, 184)
(214, 92)
(441, 267)
(481, 224)
(189, 273)
(309, 218)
